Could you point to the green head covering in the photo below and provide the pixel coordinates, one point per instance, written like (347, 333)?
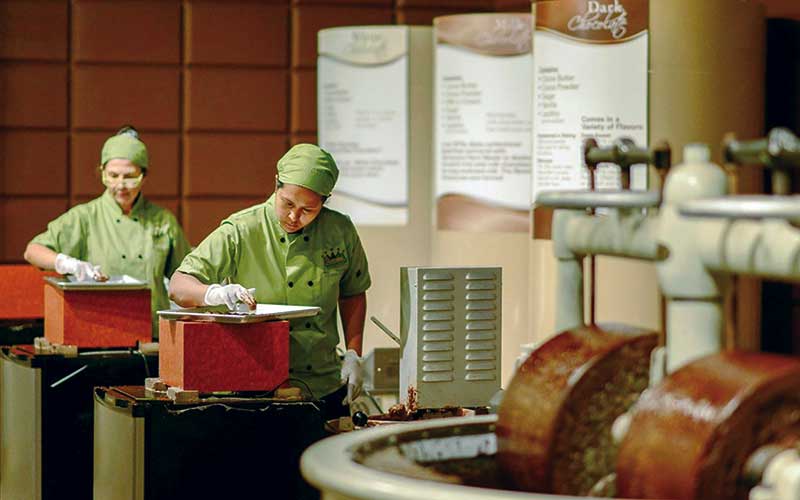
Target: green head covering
(126, 145)
(309, 166)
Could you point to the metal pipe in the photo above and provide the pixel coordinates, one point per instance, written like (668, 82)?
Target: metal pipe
(386, 330)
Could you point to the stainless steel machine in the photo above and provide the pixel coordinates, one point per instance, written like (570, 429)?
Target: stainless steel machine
(450, 331)
(46, 424)
(148, 447)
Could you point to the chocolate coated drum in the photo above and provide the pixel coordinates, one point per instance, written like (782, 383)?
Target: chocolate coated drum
(554, 425)
(692, 434)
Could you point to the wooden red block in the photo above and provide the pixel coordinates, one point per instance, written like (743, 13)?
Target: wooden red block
(24, 299)
(210, 357)
(118, 318)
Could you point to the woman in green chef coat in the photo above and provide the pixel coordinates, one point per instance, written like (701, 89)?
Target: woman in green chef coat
(120, 232)
(292, 250)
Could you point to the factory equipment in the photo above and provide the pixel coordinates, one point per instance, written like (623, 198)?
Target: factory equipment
(733, 418)
(558, 411)
(719, 426)
(149, 447)
(91, 332)
(215, 412)
(46, 408)
(381, 381)
(450, 330)
(114, 312)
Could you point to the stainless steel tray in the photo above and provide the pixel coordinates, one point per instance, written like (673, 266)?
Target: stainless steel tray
(119, 282)
(263, 312)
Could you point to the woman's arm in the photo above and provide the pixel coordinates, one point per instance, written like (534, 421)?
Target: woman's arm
(353, 311)
(40, 256)
(186, 290)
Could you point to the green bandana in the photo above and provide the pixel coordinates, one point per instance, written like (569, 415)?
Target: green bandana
(309, 166)
(125, 145)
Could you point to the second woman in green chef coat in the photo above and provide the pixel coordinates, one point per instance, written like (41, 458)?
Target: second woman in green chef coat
(118, 233)
(292, 250)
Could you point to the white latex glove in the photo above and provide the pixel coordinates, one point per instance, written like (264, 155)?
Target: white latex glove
(352, 375)
(80, 269)
(230, 295)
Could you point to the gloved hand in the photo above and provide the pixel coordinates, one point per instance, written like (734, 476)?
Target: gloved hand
(230, 295)
(352, 375)
(80, 269)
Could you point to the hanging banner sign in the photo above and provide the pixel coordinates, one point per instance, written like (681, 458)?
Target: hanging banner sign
(590, 80)
(482, 118)
(362, 107)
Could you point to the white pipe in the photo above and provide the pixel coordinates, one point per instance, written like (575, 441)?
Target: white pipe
(569, 274)
(694, 295)
(625, 232)
(767, 248)
(694, 330)
(622, 232)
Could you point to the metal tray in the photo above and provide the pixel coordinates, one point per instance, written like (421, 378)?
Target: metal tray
(263, 312)
(119, 282)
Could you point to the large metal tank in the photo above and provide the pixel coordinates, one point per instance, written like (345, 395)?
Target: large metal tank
(434, 460)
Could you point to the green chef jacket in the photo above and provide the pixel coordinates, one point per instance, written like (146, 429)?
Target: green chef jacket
(312, 267)
(148, 244)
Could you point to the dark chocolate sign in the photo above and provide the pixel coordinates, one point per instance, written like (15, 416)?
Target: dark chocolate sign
(594, 21)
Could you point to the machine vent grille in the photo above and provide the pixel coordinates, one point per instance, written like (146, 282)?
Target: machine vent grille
(437, 324)
(481, 326)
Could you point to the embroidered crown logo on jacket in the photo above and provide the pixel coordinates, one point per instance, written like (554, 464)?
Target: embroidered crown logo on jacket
(333, 256)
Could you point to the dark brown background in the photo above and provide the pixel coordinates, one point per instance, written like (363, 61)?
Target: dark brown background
(218, 90)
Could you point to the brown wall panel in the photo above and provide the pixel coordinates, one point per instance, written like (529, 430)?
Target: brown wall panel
(126, 31)
(171, 204)
(33, 95)
(783, 8)
(34, 30)
(231, 164)
(302, 138)
(23, 218)
(304, 101)
(480, 4)
(512, 6)
(33, 162)
(200, 217)
(351, 3)
(235, 99)
(424, 16)
(162, 175)
(105, 96)
(237, 33)
(307, 20)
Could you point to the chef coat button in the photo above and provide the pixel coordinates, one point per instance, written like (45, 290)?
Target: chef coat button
(308, 325)
(283, 240)
(291, 284)
(305, 238)
(135, 219)
(117, 221)
(140, 256)
(123, 256)
(308, 367)
(310, 283)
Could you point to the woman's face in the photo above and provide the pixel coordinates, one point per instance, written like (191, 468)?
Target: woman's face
(296, 207)
(124, 181)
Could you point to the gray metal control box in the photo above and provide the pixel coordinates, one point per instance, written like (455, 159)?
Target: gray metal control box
(450, 326)
(382, 370)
